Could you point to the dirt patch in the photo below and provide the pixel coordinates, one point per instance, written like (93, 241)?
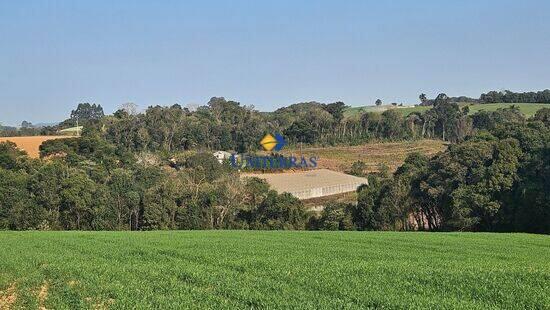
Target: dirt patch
(43, 295)
(98, 304)
(31, 145)
(8, 297)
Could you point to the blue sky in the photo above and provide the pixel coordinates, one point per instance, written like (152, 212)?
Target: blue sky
(55, 54)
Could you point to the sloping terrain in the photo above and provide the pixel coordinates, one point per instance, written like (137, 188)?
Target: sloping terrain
(31, 145)
(391, 154)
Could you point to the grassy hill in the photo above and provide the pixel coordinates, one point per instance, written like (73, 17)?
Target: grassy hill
(261, 269)
(72, 131)
(529, 109)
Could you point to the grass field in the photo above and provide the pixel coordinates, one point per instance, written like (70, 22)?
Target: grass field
(247, 269)
(392, 154)
(529, 109)
(74, 131)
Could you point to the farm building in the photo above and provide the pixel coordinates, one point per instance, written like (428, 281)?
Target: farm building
(221, 155)
(313, 183)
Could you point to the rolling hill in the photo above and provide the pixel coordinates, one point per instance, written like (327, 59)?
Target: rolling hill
(529, 109)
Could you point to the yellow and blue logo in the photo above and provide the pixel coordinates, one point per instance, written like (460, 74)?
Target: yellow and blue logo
(274, 161)
(270, 142)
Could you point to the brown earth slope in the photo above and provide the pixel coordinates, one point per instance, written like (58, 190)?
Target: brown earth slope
(32, 144)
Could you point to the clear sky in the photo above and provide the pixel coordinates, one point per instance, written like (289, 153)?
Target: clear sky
(55, 54)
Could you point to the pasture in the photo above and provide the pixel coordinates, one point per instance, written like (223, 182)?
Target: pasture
(529, 109)
(273, 269)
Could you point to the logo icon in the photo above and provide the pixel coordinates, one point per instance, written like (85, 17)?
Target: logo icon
(273, 143)
(274, 161)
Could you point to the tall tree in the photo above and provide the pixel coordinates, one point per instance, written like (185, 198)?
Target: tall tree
(86, 111)
(422, 98)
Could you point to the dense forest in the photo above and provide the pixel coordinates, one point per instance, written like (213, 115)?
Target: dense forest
(498, 179)
(228, 125)
(97, 186)
(513, 97)
(155, 170)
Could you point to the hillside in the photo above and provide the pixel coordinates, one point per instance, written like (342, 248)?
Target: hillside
(253, 269)
(529, 109)
(31, 145)
(391, 154)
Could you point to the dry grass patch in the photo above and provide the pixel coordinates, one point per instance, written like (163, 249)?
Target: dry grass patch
(391, 154)
(43, 295)
(8, 297)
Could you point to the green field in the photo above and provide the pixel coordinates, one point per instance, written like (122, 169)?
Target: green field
(529, 109)
(255, 269)
(72, 130)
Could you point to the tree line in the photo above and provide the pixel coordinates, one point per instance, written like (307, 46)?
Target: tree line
(128, 171)
(494, 96)
(88, 183)
(497, 179)
(227, 125)
(513, 97)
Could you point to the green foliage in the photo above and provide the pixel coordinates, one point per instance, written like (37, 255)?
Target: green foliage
(336, 110)
(490, 120)
(336, 217)
(358, 168)
(86, 111)
(391, 124)
(279, 212)
(493, 181)
(89, 184)
(510, 97)
(10, 156)
(17, 209)
(543, 115)
(144, 172)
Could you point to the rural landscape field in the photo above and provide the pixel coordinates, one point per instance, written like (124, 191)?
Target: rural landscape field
(31, 145)
(390, 154)
(239, 269)
(274, 155)
(528, 109)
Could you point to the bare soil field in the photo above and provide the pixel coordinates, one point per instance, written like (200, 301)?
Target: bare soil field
(391, 154)
(31, 145)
